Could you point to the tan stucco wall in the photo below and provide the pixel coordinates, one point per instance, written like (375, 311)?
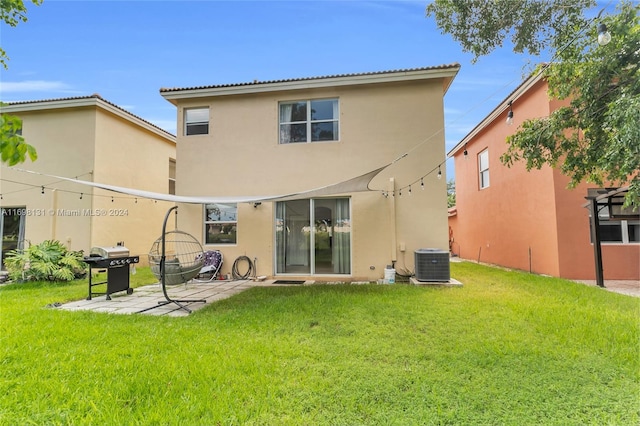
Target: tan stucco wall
(378, 123)
(90, 143)
(129, 156)
(64, 140)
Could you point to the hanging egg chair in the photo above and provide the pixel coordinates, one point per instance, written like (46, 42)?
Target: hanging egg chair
(183, 257)
(175, 257)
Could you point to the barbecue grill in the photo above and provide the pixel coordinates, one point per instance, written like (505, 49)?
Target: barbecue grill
(115, 260)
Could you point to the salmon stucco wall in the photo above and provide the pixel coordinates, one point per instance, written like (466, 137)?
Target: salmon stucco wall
(527, 220)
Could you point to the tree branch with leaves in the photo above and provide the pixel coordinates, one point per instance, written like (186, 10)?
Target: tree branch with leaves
(13, 148)
(596, 138)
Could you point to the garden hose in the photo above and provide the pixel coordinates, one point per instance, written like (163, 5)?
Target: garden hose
(246, 275)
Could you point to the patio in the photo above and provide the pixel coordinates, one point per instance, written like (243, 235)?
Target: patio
(149, 296)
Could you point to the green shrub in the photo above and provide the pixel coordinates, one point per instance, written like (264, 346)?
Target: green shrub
(47, 261)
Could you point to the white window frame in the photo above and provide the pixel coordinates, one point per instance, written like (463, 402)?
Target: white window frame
(483, 170)
(605, 220)
(191, 124)
(227, 221)
(309, 122)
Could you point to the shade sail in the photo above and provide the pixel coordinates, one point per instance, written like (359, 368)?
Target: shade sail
(356, 184)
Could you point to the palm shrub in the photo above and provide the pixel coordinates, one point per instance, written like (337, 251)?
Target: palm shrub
(47, 261)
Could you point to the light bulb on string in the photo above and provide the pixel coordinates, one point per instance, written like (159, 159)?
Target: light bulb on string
(422, 183)
(439, 173)
(409, 189)
(510, 114)
(604, 36)
(42, 190)
(81, 195)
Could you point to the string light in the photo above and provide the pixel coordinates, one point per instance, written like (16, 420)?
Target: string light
(510, 114)
(79, 194)
(439, 173)
(422, 183)
(409, 189)
(604, 36)
(466, 154)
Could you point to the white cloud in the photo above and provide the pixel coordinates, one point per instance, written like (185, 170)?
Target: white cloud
(33, 86)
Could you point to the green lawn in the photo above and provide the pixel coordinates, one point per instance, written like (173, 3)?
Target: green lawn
(508, 348)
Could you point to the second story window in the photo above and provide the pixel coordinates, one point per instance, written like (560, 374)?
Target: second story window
(196, 121)
(483, 167)
(309, 121)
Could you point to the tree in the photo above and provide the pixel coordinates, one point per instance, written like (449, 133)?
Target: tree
(12, 12)
(597, 137)
(451, 193)
(13, 148)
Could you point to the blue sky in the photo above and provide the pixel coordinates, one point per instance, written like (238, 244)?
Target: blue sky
(127, 50)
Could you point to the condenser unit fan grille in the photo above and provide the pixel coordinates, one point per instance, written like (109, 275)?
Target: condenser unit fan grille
(432, 265)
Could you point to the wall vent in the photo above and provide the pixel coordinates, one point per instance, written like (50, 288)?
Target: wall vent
(432, 265)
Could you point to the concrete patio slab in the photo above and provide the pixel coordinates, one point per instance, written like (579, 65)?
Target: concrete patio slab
(150, 298)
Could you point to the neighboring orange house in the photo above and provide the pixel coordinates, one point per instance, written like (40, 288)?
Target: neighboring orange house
(530, 220)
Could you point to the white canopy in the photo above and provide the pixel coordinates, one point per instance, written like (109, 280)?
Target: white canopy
(356, 184)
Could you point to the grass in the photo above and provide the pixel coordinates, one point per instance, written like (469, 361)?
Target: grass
(508, 348)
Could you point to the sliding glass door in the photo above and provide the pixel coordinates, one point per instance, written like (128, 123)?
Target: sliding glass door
(313, 236)
(11, 230)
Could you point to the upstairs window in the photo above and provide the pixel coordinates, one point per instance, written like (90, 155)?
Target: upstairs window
(309, 121)
(483, 168)
(196, 121)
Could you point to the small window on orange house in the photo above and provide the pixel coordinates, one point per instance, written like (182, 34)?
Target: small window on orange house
(483, 169)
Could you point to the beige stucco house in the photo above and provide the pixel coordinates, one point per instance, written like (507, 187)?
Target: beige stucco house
(90, 139)
(286, 136)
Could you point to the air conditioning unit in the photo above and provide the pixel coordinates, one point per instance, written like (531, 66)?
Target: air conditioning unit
(432, 265)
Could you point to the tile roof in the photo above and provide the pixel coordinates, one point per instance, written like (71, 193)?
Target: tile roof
(257, 82)
(94, 96)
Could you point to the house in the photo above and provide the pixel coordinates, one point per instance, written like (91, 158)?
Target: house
(290, 136)
(530, 220)
(90, 139)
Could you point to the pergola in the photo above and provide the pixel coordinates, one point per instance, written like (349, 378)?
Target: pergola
(613, 200)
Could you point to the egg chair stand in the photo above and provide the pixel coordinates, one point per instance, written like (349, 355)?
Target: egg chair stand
(173, 271)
